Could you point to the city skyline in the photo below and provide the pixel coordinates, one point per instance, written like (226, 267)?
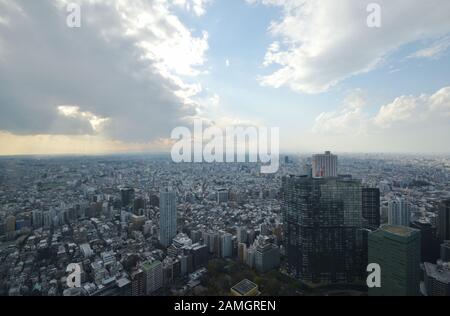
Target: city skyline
(134, 71)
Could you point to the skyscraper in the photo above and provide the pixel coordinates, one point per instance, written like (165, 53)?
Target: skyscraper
(399, 212)
(267, 256)
(325, 165)
(323, 227)
(153, 275)
(397, 250)
(127, 196)
(242, 235)
(436, 279)
(429, 244)
(168, 217)
(226, 245)
(137, 283)
(444, 220)
(445, 251)
(371, 207)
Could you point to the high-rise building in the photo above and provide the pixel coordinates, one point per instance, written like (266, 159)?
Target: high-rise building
(399, 212)
(199, 256)
(267, 256)
(168, 217)
(138, 283)
(325, 165)
(250, 256)
(397, 250)
(436, 279)
(10, 224)
(222, 196)
(444, 220)
(127, 196)
(37, 219)
(429, 244)
(242, 252)
(242, 235)
(323, 228)
(371, 207)
(226, 245)
(445, 251)
(153, 274)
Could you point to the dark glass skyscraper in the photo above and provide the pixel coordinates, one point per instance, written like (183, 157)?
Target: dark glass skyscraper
(371, 208)
(324, 228)
(444, 220)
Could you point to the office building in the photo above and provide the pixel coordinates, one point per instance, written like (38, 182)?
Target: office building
(168, 217)
(323, 222)
(436, 279)
(242, 252)
(37, 219)
(445, 251)
(325, 165)
(444, 220)
(397, 250)
(429, 244)
(222, 196)
(371, 208)
(199, 256)
(242, 235)
(127, 197)
(138, 283)
(153, 274)
(399, 212)
(267, 256)
(226, 245)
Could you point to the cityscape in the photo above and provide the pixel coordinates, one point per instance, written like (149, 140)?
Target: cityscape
(145, 226)
(224, 155)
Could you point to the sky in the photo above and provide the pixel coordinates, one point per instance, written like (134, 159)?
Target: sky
(135, 70)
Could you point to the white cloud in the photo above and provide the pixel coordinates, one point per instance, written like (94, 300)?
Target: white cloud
(321, 43)
(412, 111)
(405, 112)
(227, 62)
(197, 6)
(435, 51)
(73, 111)
(414, 124)
(349, 119)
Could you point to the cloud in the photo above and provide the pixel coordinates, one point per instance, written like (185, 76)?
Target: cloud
(349, 119)
(197, 6)
(127, 74)
(321, 43)
(413, 111)
(435, 51)
(408, 123)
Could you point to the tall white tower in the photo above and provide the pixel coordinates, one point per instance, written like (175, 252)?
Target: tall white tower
(325, 165)
(168, 217)
(399, 212)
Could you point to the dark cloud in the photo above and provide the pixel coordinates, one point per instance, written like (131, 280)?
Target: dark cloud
(44, 64)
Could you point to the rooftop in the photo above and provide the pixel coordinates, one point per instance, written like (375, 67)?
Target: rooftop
(438, 272)
(150, 265)
(244, 287)
(399, 230)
